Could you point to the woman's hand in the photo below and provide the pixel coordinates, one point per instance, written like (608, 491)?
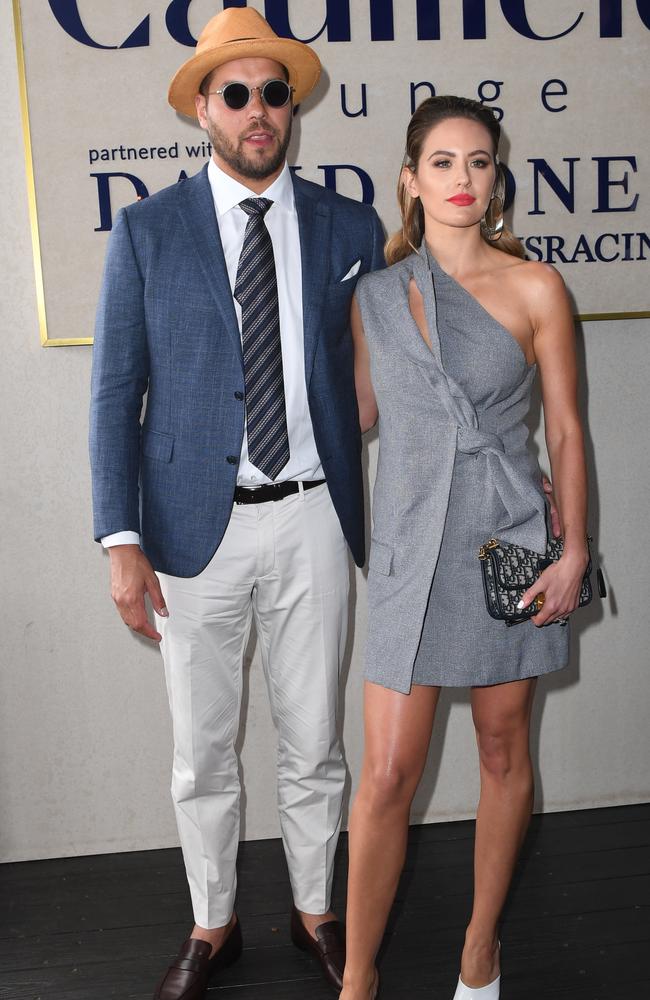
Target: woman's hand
(560, 584)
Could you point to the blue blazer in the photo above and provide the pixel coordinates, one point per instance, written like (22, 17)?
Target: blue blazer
(166, 327)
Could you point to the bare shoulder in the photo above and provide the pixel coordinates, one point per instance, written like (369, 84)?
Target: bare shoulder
(537, 279)
(536, 285)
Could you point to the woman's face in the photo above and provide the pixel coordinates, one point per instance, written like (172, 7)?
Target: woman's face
(455, 175)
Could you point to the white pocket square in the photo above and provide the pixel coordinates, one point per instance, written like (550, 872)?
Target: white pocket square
(353, 270)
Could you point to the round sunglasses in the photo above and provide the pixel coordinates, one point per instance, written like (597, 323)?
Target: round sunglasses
(274, 93)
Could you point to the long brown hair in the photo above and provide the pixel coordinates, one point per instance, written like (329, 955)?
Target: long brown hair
(430, 113)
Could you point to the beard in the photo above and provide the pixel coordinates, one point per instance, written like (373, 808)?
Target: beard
(258, 164)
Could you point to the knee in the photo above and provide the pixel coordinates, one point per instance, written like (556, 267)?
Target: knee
(212, 771)
(387, 786)
(307, 757)
(503, 755)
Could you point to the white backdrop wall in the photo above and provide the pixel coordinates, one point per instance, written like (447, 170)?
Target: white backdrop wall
(85, 744)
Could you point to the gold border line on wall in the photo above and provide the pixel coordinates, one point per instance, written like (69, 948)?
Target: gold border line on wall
(590, 317)
(31, 195)
(33, 215)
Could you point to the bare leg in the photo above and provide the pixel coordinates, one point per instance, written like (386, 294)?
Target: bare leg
(314, 920)
(502, 720)
(397, 735)
(214, 935)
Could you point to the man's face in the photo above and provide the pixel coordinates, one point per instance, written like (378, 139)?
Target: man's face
(250, 144)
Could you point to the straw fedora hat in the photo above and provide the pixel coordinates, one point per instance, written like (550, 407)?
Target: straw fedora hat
(240, 33)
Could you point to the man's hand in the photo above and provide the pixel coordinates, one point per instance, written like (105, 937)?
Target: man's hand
(547, 486)
(132, 577)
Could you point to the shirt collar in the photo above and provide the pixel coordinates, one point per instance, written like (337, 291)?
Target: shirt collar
(228, 192)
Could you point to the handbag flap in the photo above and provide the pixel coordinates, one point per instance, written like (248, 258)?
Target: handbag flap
(516, 568)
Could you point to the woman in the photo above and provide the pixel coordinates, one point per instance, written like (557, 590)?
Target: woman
(448, 341)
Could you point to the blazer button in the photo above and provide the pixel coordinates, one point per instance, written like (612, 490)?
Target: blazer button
(232, 459)
(239, 395)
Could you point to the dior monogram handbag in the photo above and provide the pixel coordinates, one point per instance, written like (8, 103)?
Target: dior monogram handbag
(509, 570)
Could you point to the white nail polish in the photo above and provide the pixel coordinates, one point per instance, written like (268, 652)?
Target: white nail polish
(520, 606)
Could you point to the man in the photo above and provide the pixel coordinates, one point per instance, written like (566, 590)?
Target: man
(226, 298)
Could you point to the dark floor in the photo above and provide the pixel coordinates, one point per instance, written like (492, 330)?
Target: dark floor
(577, 924)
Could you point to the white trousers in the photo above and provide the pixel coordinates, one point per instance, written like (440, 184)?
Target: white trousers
(284, 564)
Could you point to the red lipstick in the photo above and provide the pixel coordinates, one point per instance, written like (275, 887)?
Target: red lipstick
(462, 199)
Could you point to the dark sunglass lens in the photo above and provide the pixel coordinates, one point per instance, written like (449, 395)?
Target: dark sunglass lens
(276, 93)
(236, 95)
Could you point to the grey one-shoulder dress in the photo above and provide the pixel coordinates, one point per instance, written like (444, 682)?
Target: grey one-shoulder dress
(454, 469)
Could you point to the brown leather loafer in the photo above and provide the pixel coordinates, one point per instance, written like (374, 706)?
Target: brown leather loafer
(188, 976)
(329, 946)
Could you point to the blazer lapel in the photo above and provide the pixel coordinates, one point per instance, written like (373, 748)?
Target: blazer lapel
(197, 212)
(314, 224)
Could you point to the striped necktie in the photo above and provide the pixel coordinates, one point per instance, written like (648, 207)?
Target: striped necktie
(256, 291)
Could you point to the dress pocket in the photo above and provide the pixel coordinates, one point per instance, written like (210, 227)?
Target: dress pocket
(381, 558)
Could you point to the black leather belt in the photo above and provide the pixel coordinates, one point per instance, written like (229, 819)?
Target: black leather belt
(273, 491)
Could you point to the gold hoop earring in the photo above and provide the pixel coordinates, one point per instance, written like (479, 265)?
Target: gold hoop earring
(492, 222)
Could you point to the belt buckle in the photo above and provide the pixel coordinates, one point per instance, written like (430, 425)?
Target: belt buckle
(249, 493)
(243, 492)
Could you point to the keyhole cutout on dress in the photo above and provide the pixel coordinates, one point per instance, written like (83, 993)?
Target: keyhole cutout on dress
(416, 308)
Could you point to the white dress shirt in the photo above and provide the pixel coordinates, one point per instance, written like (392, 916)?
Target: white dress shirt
(282, 223)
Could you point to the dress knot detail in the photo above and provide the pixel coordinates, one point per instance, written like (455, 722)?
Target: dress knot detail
(471, 440)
